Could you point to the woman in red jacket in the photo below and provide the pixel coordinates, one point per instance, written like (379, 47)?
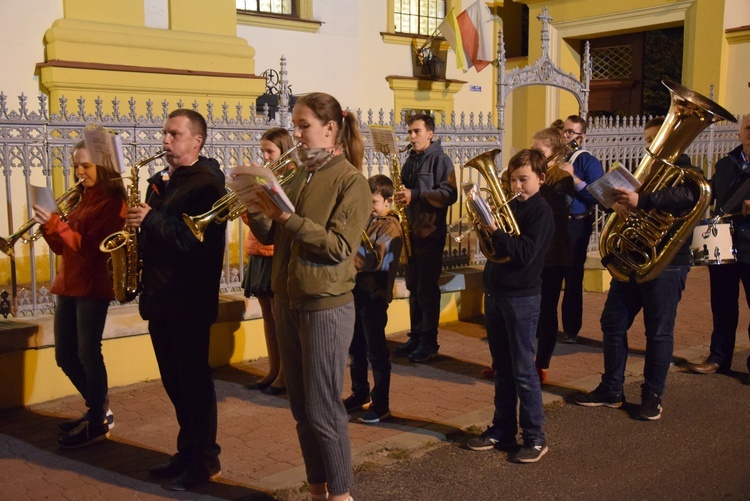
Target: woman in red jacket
(84, 291)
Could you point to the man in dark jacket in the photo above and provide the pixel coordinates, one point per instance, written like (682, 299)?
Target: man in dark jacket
(429, 189)
(180, 294)
(658, 298)
(730, 186)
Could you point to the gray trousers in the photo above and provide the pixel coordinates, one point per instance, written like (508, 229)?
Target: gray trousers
(314, 347)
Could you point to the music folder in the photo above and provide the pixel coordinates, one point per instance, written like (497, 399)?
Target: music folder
(43, 197)
(252, 181)
(603, 189)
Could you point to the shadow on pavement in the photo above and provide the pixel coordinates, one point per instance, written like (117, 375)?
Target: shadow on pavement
(39, 432)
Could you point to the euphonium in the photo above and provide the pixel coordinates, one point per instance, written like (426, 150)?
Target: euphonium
(230, 207)
(399, 209)
(639, 248)
(65, 202)
(498, 202)
(124, 263)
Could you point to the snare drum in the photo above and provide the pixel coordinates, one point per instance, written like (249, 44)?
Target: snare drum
(712, 243)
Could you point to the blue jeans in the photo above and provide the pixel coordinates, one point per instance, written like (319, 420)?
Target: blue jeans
(658, 299)
(511, 334)
(79, 325)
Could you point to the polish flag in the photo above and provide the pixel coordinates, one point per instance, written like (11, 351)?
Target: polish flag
(470, 35)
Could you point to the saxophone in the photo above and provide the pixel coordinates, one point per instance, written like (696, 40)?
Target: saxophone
(639, 248)
(124, 263)
(399, 209)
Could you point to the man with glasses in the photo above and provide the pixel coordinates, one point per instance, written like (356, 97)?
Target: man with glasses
(585, 169)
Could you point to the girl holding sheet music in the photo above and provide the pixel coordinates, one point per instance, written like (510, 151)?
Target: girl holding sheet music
(257, 282)
(312, 280)
(84, 291)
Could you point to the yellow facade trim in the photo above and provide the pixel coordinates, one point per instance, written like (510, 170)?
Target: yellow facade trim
(304, 25)
(417, 93)
(739, 36)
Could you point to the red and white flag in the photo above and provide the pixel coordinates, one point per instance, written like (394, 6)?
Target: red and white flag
(470, 35)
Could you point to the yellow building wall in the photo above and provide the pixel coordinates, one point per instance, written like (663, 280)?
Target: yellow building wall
(102, 49)
(705, 52)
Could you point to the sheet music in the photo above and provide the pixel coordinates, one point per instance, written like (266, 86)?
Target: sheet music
(383, 139)
(247, 180)
(478, 204)
(43, 197)
(104, 147)
(603, 189)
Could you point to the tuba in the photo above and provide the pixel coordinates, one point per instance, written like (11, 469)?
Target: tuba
(639, 248)
(498, 203)
(230, 207)
(65, 202)
(124, 263)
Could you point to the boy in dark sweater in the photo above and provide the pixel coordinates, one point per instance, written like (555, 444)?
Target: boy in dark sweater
(512, 300)
(376, 262)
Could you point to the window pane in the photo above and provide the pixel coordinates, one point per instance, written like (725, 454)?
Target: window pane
(419, 17)
(282, 7)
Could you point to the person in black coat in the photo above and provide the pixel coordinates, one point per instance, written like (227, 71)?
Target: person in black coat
(180, 296)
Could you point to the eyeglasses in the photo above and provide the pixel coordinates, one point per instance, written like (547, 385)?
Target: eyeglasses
(571, 132)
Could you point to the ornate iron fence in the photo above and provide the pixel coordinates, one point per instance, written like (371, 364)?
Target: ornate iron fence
(35, 147)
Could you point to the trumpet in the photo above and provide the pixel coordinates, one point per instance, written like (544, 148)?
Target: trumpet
(65, 202)
(230, 207)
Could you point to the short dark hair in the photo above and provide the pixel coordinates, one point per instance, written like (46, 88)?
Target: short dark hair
(580, 121)
(654, 122)
(381, 184)
(429, 122)
(197, 122)
(534, 158)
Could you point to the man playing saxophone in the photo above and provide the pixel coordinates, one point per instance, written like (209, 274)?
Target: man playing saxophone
(181, 293)
(658, 298)
(429, 189)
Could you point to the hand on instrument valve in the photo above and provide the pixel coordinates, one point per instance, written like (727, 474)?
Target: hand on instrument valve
(403, 197)
(746, 208)
(626, 200)
(137, 214)
(41, 216)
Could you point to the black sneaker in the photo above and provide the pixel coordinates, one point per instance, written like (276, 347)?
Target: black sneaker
(86, 433)
(374, 416)
(650, 406)
(407, 348)
(486, 442)
(176, 466)
(531, 452)
(68, 426)
(423, 353)
(196, 475)
(600, 397)
(357, 403)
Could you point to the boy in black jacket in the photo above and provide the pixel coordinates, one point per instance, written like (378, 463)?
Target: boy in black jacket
(376, 262)
(658, 298)
(512, 300)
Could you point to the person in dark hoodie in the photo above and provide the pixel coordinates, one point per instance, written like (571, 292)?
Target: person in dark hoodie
(730, 185)
(658, 298)
(180, 294)
(429, 189)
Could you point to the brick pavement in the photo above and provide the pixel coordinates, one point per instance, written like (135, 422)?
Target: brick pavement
(260, 450)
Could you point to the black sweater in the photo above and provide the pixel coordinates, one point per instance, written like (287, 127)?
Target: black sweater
(522, 275)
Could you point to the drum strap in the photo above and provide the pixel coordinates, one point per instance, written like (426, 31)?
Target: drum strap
(742, 189)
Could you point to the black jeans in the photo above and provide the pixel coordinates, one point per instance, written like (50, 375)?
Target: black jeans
(725, 294)
(572, 305)
(368, 344)
(546, 331)
(422, 276)
(79, 325)
(181, 348)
